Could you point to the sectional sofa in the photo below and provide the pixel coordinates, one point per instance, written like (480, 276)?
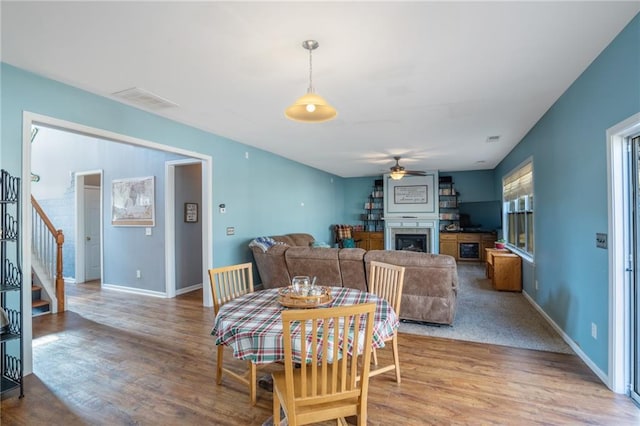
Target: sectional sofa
(430, 284)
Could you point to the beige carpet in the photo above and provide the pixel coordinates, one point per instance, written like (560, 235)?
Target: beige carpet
(488, 316)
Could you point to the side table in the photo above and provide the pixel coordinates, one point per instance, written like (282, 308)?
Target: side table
(489, 259)
(505, 270)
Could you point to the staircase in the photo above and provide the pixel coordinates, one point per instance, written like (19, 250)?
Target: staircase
(47, 291)
(38, 306)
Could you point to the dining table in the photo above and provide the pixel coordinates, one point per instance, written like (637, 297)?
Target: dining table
(251, 324)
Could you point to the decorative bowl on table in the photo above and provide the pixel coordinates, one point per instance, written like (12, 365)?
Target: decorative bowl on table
(304, 297)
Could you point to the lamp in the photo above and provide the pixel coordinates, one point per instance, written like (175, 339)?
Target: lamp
(396, 175)
(311, 107)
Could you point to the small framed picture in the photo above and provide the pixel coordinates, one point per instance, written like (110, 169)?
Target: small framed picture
(191, 212)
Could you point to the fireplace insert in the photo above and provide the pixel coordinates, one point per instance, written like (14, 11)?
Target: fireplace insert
(412, 242)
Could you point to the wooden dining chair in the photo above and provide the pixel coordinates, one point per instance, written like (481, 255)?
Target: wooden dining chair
(227, 283)
(386, 282)
(326, 385)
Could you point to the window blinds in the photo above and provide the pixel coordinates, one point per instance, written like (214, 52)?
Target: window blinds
(518, 183)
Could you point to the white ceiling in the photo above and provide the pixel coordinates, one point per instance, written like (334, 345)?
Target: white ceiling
(429, 81)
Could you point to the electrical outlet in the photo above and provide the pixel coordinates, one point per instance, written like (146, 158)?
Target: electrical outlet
(601, 240)
(231, 230)
(147, 231)
(138, 275)
(594, 330)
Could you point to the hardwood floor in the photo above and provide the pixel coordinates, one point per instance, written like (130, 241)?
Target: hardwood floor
(121, 359)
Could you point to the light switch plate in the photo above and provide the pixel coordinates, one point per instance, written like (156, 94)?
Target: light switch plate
(601, 240)
(147, 231)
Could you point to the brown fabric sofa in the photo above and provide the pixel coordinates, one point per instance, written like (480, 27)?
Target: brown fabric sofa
(430, 283)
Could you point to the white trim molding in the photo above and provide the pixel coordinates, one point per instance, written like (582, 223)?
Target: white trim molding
(617, 200)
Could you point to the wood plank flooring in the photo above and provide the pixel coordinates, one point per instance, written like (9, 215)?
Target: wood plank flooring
(121, 359)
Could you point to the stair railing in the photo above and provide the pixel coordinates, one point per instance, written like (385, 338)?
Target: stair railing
(46, 244)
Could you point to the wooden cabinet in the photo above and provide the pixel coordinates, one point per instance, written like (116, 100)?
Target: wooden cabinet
(369, 240)
(376, 240)
(449, 244)
(466, 246)
(505, 269)
(488, 241)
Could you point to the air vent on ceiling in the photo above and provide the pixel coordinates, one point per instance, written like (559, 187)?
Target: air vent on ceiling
(493, 139)
(144, 98)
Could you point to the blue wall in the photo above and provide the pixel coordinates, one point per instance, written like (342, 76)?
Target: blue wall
(356, 193)
(478, 198)
(570, 184)
(263, 194)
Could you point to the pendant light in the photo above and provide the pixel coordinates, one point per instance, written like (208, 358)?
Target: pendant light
(311, 107)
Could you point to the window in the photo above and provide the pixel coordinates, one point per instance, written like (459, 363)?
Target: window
(517, 196)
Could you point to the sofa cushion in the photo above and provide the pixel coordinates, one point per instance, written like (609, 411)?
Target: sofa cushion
(284, 239)
(315, 262)
(352, 268)
(272, 266)
(430, 284)
(303, 240)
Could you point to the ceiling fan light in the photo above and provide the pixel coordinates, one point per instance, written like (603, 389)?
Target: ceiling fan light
(311, 108)
(397, 175)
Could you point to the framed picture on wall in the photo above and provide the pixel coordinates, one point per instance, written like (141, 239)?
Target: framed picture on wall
(132, 201)
(411, 196)
(191, 212)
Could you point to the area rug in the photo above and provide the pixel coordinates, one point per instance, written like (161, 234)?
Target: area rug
(495, 317)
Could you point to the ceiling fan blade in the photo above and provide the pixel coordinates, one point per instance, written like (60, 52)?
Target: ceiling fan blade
(400, 171)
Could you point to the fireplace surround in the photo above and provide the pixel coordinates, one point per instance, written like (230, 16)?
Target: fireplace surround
(421, 233)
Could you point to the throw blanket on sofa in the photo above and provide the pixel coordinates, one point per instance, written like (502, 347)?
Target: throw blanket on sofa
(264, 243)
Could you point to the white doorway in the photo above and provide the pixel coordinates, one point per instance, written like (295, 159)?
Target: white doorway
(182, 255)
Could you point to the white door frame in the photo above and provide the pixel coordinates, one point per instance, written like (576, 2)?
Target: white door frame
(80, 225)
(29, 119)
(619, 297)
(169, 231)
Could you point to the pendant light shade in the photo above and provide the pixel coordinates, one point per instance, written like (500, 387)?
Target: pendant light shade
(311, 107)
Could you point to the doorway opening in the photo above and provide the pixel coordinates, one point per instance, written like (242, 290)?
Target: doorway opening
(91, 184)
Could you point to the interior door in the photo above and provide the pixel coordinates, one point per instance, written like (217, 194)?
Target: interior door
(92, 233)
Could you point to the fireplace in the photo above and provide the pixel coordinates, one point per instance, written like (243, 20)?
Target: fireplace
(410, 235)
(412, 242)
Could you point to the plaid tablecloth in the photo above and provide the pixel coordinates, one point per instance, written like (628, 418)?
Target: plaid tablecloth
(251, 324)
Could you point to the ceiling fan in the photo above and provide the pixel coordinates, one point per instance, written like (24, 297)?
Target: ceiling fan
(398, 172)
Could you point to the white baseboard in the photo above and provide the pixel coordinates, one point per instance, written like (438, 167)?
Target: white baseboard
(577, 349)
(134, 290)
(188, 289)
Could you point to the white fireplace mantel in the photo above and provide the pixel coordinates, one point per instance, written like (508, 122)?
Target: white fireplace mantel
(426, 227)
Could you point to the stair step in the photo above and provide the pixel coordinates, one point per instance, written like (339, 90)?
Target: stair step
(39, 307)
(36, 292)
